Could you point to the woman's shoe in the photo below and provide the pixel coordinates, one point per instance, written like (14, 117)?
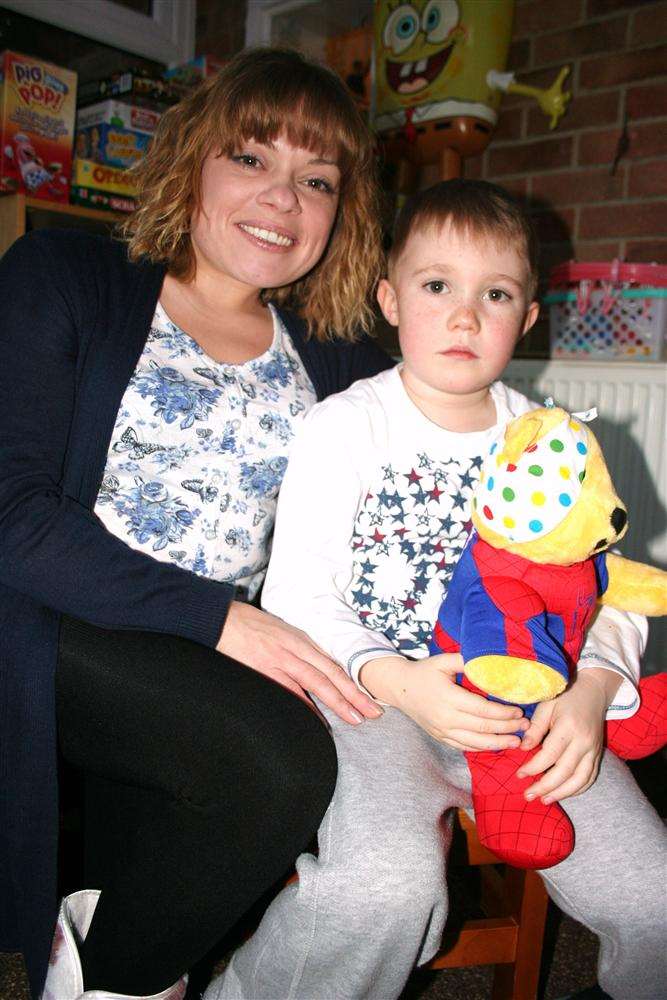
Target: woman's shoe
(64, 979)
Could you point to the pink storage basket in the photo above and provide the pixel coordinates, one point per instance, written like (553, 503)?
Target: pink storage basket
(611, 311)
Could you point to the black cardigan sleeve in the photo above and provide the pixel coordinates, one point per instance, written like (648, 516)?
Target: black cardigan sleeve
(52, 548)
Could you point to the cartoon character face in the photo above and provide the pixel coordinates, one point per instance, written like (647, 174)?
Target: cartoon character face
(419, 40)
(435, 55)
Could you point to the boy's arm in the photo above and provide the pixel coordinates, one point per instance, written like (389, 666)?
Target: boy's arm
(615, 642)
(311, 558)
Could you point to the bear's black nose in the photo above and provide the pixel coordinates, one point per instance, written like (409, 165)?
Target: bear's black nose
(618, 519)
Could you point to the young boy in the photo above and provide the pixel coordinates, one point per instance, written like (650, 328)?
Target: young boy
(373, 515)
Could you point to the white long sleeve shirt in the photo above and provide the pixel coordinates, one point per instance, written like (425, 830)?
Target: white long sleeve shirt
(373, 514)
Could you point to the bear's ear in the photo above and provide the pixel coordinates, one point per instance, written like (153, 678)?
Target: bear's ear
(521, 434)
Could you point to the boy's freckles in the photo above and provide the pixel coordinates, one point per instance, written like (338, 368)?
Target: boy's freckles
(461, 303)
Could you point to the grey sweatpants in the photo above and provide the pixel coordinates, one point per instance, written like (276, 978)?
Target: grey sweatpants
(373, 904)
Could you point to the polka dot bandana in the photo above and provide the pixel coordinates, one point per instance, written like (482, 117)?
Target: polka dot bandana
(529, 497)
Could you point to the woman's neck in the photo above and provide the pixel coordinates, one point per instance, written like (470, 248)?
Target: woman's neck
(226, 319)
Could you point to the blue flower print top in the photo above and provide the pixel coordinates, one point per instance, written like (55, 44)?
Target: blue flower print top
(198, 453)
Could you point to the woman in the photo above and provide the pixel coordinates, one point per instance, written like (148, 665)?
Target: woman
(149, 395)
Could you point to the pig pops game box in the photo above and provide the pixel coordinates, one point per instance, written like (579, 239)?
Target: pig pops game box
(37, 106)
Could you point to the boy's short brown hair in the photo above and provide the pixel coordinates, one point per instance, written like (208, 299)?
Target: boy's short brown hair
(477, 207)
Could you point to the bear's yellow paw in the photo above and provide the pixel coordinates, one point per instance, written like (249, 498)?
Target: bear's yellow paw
(515, 679)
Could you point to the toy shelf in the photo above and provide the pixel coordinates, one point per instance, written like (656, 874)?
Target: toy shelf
(18, 213)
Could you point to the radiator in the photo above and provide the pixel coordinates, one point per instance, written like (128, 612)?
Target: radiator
(632, 428)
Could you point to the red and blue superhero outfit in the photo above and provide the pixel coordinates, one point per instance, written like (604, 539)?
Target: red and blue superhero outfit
(500, 604)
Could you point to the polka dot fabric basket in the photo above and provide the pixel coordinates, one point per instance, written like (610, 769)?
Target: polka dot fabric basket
(611, 311)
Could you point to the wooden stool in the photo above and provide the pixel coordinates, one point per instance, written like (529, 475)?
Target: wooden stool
(510, 935)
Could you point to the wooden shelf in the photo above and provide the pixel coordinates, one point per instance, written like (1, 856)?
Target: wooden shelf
(14, 209)
(99, 214)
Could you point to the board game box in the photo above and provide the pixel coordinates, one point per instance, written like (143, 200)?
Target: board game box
(37, 106)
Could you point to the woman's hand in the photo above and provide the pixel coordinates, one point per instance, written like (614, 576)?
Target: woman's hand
(571, 726)
(427, 691)
(286, 655)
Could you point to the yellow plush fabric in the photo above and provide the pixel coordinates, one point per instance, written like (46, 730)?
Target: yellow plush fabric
(585, 530)
(511, 678)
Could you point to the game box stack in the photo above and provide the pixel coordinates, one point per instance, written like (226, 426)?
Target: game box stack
(112, 135)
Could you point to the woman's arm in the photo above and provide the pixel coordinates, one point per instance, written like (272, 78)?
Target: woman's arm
(52, 548)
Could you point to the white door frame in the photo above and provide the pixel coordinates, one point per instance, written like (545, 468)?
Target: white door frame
(168, 36)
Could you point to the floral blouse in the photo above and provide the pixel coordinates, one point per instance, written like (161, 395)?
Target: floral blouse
(198, 453)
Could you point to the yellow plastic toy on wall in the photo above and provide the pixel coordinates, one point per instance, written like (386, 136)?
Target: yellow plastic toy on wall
(440, 75)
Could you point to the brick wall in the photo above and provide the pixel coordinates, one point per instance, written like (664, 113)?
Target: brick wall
(584, 208)
(617, 52)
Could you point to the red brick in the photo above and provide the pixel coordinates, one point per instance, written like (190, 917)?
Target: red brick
(582, 112)
(645, 140)
(623, 68)
(601, 36)
(526, 158)
(596, 250)
(552, 226)
(648, 179)
(531, 18)
(517, 186)
(646, 101)
(598, 147)
(510, 125)
(576, 186)
(650, 25)
(647, 251)
(647, 218)
(597, 7)
(518, 57)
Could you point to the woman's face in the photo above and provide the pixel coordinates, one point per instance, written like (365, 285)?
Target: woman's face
(266, 214)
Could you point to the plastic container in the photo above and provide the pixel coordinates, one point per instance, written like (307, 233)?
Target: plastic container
(611, 311)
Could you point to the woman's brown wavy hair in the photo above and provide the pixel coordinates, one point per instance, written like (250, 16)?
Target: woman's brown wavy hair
(262, 94)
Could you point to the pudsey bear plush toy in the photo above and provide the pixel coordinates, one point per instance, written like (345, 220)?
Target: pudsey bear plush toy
(520, 601)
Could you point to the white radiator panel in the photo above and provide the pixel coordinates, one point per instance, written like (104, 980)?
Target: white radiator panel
(632, 429)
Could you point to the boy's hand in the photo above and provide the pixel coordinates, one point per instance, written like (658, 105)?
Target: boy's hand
(427, 692)
(571, 726)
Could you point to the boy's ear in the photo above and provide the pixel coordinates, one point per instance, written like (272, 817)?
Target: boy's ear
(388, 302)
(531, 318)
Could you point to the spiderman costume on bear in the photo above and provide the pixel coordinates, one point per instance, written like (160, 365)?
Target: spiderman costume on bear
(520, 600)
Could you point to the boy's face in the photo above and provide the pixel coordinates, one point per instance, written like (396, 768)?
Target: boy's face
(461, 302)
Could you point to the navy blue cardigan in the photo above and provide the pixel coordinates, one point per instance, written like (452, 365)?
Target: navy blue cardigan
(74, 317)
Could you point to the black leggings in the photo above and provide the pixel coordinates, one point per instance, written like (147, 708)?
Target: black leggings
(204, 780)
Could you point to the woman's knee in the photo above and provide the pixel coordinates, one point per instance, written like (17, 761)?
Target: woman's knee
(283, 763)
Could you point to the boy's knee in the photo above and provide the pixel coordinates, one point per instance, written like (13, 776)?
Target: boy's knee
(389, 886)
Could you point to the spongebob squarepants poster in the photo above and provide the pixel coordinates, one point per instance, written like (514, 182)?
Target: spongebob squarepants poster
(433, 56)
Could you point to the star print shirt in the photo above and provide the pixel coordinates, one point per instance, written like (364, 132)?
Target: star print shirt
(198, 453)
(373, 515)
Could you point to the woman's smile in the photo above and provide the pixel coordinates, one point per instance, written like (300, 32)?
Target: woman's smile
(268, 236)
